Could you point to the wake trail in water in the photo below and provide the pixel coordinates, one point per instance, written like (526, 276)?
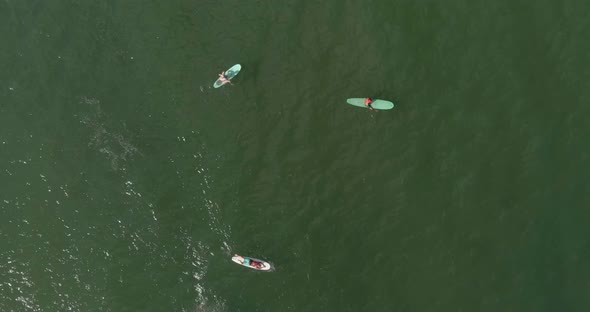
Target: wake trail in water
(129, 228)
(115, 145)
(201, 252)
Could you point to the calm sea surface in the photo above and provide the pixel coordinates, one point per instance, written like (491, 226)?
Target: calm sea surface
(127, 181)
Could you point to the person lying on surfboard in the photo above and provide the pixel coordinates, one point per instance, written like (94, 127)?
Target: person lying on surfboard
(368, 102)
(223, 79)
(248, 262)
(255, 264)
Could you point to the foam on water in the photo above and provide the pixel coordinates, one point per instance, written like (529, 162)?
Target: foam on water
(116, 146)
(213, 210)
(205, 301)
(119, 150)
(71, 236)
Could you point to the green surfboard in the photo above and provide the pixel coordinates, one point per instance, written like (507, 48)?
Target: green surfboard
(377, 104)
(229, 74)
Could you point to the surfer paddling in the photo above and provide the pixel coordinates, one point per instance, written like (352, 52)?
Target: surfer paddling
(368, 102)
(225, 76)
(223, 79)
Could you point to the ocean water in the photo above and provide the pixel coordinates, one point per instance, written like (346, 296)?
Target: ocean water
(128, 182)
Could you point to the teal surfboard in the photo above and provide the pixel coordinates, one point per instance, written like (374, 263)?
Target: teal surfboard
(229, 74)
(377, 104)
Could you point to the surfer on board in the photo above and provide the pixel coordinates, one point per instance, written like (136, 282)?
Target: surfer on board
(368, 102)
(245, 261)
(249, 262)
(255, 264)
(223, 79)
